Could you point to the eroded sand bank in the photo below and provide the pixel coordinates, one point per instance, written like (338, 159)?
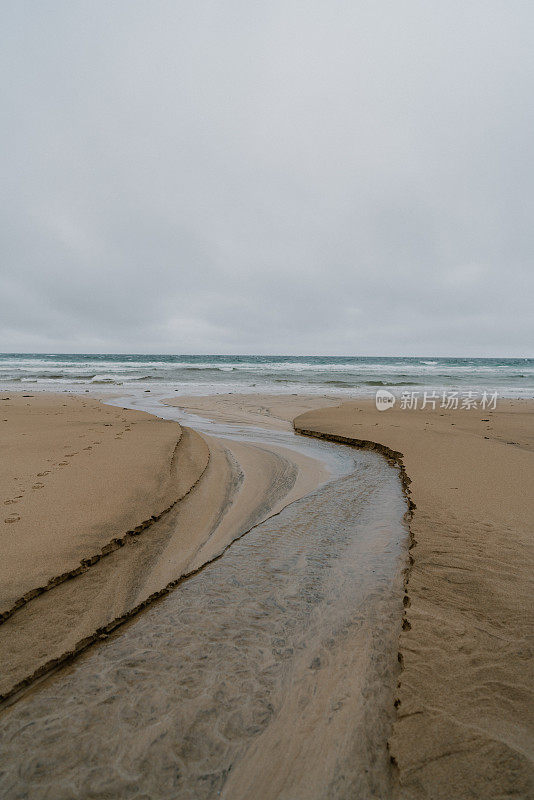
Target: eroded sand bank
(465, 726)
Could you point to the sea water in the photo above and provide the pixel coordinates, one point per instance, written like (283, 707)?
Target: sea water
(206, 374)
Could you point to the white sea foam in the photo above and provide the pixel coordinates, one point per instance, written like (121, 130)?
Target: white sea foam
(215, 374)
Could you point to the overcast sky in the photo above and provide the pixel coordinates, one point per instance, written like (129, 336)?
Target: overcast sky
(267, 176)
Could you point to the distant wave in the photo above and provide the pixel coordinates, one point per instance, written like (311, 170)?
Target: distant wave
(391, 383)
(131, 379)
(208, 369)
(47, 376)
(207, 373)
(104, 379)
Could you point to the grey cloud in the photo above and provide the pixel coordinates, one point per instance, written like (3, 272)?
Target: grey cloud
(282, 177)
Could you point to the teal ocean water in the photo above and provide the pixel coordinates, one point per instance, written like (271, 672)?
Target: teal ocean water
(355, 375)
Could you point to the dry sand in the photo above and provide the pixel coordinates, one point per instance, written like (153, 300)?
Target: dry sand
(465, 704)
(76, 475)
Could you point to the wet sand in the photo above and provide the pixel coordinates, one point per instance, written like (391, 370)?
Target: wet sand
(272, 411)
(465, 726)
(269, 674)
(218, 489)
(271, 671)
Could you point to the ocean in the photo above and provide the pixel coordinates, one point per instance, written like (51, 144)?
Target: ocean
(337, 375)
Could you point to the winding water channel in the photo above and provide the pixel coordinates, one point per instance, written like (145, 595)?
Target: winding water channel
(268, 674)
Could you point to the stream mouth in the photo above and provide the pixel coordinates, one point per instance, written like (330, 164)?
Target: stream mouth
(336, 460)
(270, 673)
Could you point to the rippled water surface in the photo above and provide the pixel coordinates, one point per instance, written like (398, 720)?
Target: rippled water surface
(194, 374)
(268, 674)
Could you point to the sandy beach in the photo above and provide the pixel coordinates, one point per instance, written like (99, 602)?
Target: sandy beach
(465, 706)
(268, 661)
(267, 401)
(100, 517)
(77, 475)
(465, 725)
(115, 507)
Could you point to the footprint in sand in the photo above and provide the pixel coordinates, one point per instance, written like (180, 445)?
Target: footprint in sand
(38, 486)
(88, 447)
(10, 502)
(12, 518)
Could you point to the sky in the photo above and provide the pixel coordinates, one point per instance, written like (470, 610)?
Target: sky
(265, 176)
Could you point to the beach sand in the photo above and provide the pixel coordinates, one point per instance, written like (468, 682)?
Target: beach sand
(75, 475)
(269, 672)
(106, 509)
(465, 726)
(274, 411)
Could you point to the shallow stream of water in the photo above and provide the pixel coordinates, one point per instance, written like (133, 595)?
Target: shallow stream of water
(268, 674)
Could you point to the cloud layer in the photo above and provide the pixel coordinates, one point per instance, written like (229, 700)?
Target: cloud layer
(277, 177)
